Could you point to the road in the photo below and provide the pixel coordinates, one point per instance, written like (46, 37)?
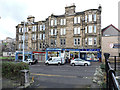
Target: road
(64, 76)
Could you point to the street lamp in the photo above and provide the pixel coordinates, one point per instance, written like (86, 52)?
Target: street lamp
(23, 41)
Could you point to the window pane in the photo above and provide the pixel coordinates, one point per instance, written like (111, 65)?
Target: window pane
(64, 21)
(40, 36)
(78, 30)
(85, 18)
(43, 27)
(86, 29)
(78, 19)
(75, 20)
(75, 30)
(94, 29)
(85, 41)
(55, 21)
(40, 27)
(43, 36)
(61, 31)
(94, 17)
(95, 41)
(75, 41)
(64, 31)
(51, 31)
(90, 29)
(90, 41)
(78, 41)
(61, 41)
(51, 22)
(64, 41)
(55, 32)
(90, 17)
(61, 22)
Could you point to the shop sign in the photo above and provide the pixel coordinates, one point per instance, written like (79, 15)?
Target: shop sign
(117, 45)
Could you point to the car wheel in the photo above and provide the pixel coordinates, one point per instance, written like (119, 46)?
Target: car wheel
(58, 64)
(85, 64)
(30, 63)
(73, 64)
(47, 64)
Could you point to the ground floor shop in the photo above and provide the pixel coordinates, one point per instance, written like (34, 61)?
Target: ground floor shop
(39, 55)
(68, 54)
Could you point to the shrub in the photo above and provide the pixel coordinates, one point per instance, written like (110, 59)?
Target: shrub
(12, 69)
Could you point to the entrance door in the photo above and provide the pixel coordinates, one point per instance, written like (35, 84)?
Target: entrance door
(82, 55)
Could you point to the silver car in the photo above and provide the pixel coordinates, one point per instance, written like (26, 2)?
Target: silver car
(79, 61)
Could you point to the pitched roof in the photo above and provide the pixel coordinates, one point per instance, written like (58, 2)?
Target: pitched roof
(110, 26)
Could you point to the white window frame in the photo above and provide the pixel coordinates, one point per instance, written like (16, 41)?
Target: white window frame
(95, 29)
(75, 20)
(86, 41)
(75, 41)
(55, 32)
(78, 19)
(51, 31)
(85, 29)
(40, 27)
(78, 30)
(90, 17)
(64, 22)
(51, 22)
(95, 41)
(90, 41)
(40, 36)
(90, 29)
(43, 36)
(85, 18)
(75, 30)
(55, 22)
(43, 26)
(94, 17)
(64, 31)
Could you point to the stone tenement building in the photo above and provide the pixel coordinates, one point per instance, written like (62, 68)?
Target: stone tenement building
(74, 30)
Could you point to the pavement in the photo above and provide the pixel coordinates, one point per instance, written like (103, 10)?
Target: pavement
(64, 76)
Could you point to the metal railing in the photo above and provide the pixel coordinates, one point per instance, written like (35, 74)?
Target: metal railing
(111, 82)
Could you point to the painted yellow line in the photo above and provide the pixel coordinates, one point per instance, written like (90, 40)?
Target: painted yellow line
(49, 75)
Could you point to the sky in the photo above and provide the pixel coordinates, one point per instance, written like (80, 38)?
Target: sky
(15, 11)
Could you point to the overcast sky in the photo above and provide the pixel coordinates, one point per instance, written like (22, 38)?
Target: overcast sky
(15, 11)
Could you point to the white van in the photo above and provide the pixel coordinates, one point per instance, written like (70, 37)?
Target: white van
(55, 60)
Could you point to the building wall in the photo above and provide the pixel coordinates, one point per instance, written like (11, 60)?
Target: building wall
(107, 46)
(53, 25)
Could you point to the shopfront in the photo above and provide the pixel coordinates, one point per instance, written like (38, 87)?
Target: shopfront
(86, 54)
(40, 56)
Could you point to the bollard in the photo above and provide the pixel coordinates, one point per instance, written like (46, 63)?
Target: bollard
(25, 78)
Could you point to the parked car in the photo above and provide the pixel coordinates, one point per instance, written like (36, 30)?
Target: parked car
(30, 61)
(79, 61)
(55, 60)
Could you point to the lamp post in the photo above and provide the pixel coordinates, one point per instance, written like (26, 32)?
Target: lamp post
(23, 41)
